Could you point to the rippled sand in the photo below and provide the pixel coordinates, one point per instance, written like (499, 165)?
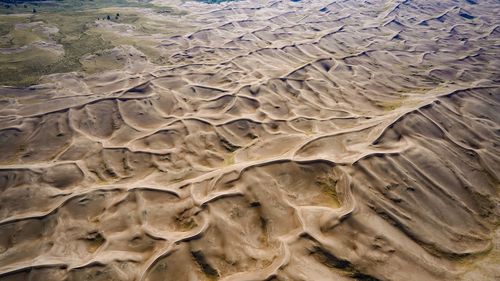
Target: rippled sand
(311, 140)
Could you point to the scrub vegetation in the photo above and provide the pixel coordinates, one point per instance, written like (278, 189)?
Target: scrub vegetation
(45, 37)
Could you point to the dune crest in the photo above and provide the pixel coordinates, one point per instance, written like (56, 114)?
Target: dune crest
(287, 140)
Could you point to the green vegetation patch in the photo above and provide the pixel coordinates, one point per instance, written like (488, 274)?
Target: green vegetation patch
(25, 67)
(26, 24)
(328, 185)
(60, 6)
(102, 61)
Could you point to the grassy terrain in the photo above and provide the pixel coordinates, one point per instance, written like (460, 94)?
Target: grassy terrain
(55, 6)
(23, 63)
(25, 68)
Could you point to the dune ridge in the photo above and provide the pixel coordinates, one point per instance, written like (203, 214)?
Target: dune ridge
(308, 140)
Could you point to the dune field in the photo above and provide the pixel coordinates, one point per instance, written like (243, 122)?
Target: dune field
(257, 140)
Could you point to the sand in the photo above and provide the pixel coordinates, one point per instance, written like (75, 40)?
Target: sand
(311, 140)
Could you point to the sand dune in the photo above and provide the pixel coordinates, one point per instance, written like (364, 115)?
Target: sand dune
(308, 140)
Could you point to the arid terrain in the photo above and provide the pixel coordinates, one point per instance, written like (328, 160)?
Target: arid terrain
(251, 140)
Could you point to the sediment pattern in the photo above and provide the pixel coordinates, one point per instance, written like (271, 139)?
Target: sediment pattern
(311, 140)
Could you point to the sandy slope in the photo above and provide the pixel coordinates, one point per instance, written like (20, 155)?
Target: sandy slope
(312, 140)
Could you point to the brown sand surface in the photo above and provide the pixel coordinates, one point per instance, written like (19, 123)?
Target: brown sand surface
(311, 140)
